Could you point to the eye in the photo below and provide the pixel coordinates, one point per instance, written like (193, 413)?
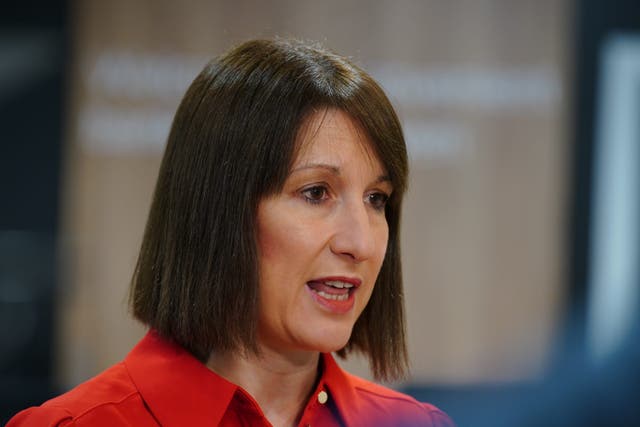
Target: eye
(316, 194)
(378, 200)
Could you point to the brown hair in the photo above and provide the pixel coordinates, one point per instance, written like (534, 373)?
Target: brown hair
(232, 142)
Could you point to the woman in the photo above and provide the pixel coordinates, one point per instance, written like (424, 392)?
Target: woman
(272, 241)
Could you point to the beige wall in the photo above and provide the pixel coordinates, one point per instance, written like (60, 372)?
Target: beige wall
(481, 89)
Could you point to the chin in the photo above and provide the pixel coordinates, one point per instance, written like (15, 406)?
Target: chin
(330, 341)
(331, 348)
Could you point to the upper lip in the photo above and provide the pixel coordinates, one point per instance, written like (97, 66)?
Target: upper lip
(351, 280)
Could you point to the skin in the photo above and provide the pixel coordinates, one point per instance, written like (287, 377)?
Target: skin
(328, 221)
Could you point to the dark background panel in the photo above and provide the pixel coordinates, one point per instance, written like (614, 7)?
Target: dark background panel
(33, 57)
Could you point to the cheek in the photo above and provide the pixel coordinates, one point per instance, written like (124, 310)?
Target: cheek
(286, 245)
(278, 240)
(375, 264)
(383, 241)
(269, 239)
(268, 246)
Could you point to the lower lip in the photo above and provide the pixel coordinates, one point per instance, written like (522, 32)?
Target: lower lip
(334, 306)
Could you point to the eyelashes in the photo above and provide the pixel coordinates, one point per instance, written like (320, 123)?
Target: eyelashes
(378, 200)
(316, 194)
(319, 193)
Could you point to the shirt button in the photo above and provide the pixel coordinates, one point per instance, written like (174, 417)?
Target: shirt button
(323, 397)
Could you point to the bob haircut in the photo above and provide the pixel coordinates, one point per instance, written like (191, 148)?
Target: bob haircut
(232, 143)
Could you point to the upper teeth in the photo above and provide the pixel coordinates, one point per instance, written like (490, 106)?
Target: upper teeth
(337, 284)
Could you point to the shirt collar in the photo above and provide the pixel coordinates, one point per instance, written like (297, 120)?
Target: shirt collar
(180, 390)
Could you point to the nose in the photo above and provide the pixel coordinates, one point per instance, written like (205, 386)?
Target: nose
(355, 236)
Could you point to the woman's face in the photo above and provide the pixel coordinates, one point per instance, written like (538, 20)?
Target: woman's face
(322, 239)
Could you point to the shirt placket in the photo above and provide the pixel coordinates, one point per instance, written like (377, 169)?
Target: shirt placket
(317, 412)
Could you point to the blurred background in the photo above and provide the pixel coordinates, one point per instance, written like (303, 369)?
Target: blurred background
(521, 227)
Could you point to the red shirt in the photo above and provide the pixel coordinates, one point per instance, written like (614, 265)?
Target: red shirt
(160, 383)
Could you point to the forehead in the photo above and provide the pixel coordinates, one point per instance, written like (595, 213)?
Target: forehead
(331, 135)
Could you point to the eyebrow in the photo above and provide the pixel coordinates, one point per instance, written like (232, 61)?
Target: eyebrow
(335, 170)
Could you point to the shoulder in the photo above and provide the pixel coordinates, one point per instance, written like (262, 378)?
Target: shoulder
(382, 403)
(107, 399)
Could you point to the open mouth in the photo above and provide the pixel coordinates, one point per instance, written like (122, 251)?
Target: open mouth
(334, 294)
(334, 290)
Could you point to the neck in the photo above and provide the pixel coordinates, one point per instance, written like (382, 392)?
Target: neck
(280, 383)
